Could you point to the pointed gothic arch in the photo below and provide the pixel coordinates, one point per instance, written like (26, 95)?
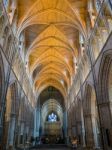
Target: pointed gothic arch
(105, 97)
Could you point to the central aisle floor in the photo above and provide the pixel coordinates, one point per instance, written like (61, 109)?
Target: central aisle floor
(52, 149)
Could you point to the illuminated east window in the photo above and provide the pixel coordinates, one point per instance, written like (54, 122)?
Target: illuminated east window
(52, 117)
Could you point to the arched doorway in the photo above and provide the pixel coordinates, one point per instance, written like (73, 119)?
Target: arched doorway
(91, 119)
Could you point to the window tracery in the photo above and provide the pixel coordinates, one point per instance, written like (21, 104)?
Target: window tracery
(52, 117)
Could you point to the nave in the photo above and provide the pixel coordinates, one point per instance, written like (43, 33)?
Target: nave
(56, 74)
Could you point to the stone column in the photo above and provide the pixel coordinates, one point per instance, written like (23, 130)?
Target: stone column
(89, 131)
(11, 132)
(79, 132)
(38, 122)
(21, 136)
(27, 132)
(95, 131)
(65, 123)
(83, 128)
(106, 124)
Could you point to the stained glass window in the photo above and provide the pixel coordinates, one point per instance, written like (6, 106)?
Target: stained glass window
(52, 117)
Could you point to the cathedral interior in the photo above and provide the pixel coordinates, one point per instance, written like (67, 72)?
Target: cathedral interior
(55, 74)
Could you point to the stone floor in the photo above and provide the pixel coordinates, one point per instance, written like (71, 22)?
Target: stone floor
(52, 149)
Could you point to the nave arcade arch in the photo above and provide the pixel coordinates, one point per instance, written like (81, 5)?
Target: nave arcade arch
(105, 97)
(91, 118)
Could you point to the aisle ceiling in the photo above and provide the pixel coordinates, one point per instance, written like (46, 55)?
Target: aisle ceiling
(51, 29)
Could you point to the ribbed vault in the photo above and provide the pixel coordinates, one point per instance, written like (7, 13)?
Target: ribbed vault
(50, 92)
(52, 106)
(52, 30)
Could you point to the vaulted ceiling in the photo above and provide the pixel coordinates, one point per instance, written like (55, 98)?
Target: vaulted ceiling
(51, 29)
